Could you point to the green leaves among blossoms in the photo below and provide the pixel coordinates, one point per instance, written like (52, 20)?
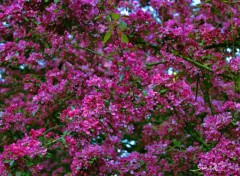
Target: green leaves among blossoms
(107, 36)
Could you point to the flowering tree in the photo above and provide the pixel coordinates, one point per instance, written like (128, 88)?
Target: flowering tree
(109, 87)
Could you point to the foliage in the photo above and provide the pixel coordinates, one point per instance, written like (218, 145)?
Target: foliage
(88, 89)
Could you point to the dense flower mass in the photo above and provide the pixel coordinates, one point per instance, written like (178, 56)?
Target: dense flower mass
(119, 87)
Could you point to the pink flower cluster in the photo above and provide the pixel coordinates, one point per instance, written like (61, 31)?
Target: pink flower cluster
(221, 160)
(92, 87)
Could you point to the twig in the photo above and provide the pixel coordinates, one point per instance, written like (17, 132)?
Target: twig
(153, 64)
(199, 65)
(119, 44)
(50, 129)
(94, 52)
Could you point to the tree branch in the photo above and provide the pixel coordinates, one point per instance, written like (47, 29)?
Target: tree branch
(197, 64)
(93, 52)
(200, 65)
(153, 64)
(223, 45)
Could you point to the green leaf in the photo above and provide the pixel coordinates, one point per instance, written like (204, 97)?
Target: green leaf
(196, 170)
(35, 22)
(162, 91)
(144, 93)
(26, 19)
(63, 140)
(47, 45)
(48, 155)
(11, 162)
(26, 174)
(115, 16)
(56, 1)
(107, 103)
(7, 160)
(18, 173)
(45, 0)
(237, 83)
(92, 160)
(177, 143)
(123, 25)
(107, 36)
(108, 18)
(124, 38)
(65, 133)
(29, 163)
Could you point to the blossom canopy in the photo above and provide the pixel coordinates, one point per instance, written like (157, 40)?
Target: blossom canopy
(110, 87)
